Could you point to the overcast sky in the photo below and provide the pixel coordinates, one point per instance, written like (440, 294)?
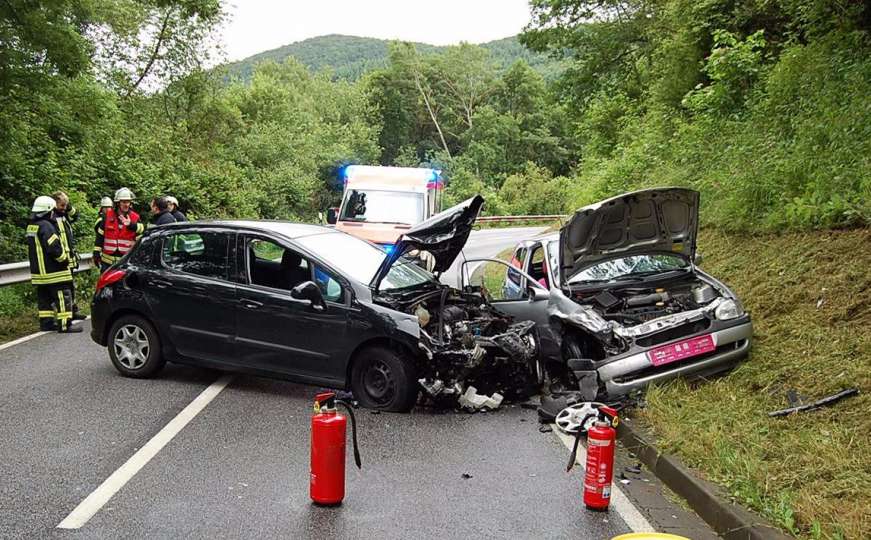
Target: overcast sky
(259, 25)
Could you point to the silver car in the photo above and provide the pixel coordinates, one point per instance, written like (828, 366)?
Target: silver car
(618, 297)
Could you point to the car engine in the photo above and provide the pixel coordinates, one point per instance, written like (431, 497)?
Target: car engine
(619, 316)
(468, 344)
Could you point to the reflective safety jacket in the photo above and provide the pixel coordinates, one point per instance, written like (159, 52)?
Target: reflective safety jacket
(65, 230)
(49, 261)
(114, 239)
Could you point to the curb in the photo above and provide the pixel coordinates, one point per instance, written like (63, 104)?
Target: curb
(731, 521)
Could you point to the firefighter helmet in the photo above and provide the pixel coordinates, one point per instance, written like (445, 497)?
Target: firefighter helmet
(105, 202)
(124, 194)
(172, 200)
(43, 204)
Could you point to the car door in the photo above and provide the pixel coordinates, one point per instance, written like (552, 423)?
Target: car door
(527, 304)
(281, 334)
(190, 292)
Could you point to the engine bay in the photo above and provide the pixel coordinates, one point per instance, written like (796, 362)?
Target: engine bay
(468, 344)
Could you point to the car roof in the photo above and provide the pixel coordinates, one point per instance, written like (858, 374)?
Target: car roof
(288, 229)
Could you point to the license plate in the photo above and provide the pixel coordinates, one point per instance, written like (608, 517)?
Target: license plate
(687, 348)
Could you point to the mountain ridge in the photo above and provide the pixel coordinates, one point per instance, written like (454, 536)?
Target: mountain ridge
(349, 57)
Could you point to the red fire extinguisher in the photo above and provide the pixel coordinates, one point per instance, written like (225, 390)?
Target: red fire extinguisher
(328, 449)
(601, 441)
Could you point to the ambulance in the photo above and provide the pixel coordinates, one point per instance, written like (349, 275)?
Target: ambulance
(380, 203)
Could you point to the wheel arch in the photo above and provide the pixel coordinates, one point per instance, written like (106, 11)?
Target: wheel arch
(403, 349)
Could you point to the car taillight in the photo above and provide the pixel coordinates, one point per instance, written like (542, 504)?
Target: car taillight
(110, 277)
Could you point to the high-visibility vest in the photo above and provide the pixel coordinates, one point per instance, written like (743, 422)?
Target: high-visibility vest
(117, 238)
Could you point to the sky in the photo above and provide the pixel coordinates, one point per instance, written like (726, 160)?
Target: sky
(259, 25)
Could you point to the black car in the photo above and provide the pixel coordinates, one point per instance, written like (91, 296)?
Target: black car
(311, 304)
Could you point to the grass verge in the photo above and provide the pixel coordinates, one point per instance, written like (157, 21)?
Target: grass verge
(810, 298)
(18, 306)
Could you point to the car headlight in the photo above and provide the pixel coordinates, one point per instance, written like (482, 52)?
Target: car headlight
(729, 309)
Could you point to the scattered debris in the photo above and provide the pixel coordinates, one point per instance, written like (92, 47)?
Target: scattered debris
(465, 476)
(471, 400)
(579, 416)
(635, 469)
(828, 400)
(544, 428)
(551, 406)
(625, 481)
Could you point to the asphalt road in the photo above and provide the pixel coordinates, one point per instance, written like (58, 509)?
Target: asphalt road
(240, 467)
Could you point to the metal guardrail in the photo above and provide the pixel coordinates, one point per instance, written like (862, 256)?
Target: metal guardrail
(515, 219)
(20, 272)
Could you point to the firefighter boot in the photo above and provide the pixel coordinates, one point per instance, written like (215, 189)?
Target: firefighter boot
(46, 324)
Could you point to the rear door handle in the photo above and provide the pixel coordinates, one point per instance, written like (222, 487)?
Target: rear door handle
(159, 283)
(250, 304)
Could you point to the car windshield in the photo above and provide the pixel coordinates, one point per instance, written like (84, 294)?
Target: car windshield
(628, 267)
(377, 206)
(360, 260)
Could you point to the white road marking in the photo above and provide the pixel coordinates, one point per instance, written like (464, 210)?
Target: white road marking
(100, 496)
(31, 336)
(619, 502)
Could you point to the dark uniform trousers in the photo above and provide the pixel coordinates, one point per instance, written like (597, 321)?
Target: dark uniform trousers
(54, 302)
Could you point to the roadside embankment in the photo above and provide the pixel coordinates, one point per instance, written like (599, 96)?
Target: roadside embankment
(810, 297)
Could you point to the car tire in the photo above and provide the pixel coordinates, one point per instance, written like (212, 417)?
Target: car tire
(134, 347)
(383, 380)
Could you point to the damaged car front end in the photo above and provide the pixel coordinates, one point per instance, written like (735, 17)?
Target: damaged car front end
(626, 304)
(466, 347)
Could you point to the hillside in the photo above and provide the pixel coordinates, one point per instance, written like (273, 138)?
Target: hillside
(349, 57)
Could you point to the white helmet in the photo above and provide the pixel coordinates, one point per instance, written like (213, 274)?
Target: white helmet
(105, 202)
(43, 204)
(172, 199)
(124, 194)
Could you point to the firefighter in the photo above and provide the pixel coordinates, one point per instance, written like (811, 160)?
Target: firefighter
(173, 207)
(118, 230)
(49, 268)
(64, 216)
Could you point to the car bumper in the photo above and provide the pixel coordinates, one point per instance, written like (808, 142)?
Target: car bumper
(635, 371)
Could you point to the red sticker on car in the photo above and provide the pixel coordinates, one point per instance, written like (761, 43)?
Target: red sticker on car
(680, 350)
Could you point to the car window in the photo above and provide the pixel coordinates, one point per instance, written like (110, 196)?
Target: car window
(517, 262)
(538, 266)
(200, 253)
(553, 259)
(270, 264)
(329, 285)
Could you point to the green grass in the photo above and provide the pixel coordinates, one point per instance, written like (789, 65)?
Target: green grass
(810, 298)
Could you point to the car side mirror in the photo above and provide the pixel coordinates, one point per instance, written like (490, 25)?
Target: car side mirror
(309, 290)
(332, 215)
(537, 295)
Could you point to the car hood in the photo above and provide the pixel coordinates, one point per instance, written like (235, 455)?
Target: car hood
(442, 235)
(660, 219)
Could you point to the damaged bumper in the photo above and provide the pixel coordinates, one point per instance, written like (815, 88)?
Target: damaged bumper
(634, 370)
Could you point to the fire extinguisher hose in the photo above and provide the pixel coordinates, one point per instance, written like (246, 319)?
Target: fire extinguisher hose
(350, 410)
(574, 456)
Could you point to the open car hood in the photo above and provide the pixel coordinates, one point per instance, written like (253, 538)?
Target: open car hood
(442, 235)
(660, 219)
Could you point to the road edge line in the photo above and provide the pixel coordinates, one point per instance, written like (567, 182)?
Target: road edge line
(633, 517)
(92, 504)
(25, 339)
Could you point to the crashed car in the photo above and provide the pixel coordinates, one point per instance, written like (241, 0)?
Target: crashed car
(315, 305)
(618, 297)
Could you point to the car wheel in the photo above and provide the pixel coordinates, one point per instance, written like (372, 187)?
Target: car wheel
(134, 347)
(381, 379)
